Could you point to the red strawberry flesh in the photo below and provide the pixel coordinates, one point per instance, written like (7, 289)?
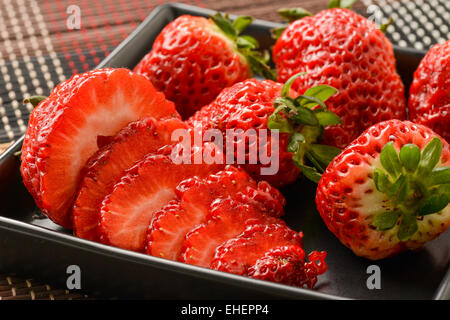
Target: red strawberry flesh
(144, 189)
(108, 164)
(63, 131)
(227, 219)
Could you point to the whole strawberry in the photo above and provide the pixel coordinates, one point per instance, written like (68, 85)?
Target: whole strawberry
(194, 58)
(345, 50)
(256, 108)
(429, 94)
(388, 191)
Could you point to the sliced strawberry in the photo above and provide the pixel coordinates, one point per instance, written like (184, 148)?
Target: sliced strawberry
(63, 131)
(227, 219)
(167, 231)
(196, 197)
(238, 254)
(286, 264)
(126, 213)
(108, 164)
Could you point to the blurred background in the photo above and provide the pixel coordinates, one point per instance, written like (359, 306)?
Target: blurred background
(43, 42)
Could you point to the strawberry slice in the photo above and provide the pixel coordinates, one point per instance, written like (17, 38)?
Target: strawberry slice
(227, 219)
(108, 164)
(63, 131)
(125, 214)
(237, 254)
(286, 264)
(167, 231)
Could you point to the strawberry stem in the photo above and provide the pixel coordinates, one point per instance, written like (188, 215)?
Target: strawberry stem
(413, 184)
(245, 44)
(347, 4)
(305, 118)
(34, 100)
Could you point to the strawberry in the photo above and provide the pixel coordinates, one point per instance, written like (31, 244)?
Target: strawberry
(286, 264)
(388, 191)
(254, 107)
(107, 165)
(227, 219)
(169, 227)
(238, 254)
(63, 130)
(429, 94)
(342, 49)
(194, 58)
(150, 184)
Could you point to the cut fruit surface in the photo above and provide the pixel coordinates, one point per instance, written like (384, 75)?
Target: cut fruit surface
(108, 164)
(238, 254)
(64, 128)
(168, 230)
(227, 219)
(125, 214)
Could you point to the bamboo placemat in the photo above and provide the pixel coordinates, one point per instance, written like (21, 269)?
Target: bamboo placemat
(37, 51)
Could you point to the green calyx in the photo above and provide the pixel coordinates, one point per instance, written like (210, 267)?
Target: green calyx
(383, 27)
(246, 45)
(34, 100)
(347, 4)
(305, 118)
(413, 184)
(289, 14)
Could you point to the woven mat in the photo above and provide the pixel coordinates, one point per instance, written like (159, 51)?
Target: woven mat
(37, 51)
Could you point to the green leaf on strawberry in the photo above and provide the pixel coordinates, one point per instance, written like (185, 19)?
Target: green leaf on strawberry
(414, 186)
(245, 44)
(304, 118)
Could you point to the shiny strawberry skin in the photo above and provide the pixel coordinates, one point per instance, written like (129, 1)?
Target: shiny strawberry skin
(342, 49)
(238, 254)
(348, 200)
(429, 94)
(248, 105)
(108, 164)
(167, 231)
(286, 264)
(64, 128)
(227, 218)
(191, 62)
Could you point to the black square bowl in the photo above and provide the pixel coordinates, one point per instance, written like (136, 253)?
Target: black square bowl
(30, 244)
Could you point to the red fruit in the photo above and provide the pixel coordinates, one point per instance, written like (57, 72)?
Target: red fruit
(227, 219)
(167, 231)
(388, 190)
(63, 130)
(126, 213)
(248, 105)
(340, 48)
(108, 164)
(194, 58)
(287, 265)
(429, 94)
(238, 254)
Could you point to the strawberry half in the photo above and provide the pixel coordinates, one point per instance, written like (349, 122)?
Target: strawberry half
(227, 219)
(238, 254)
(63, 130)
(108, 164)
(168, 229)
(125, 214)
(388, 191)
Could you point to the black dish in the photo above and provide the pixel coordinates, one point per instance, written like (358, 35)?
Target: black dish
(31, 244)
